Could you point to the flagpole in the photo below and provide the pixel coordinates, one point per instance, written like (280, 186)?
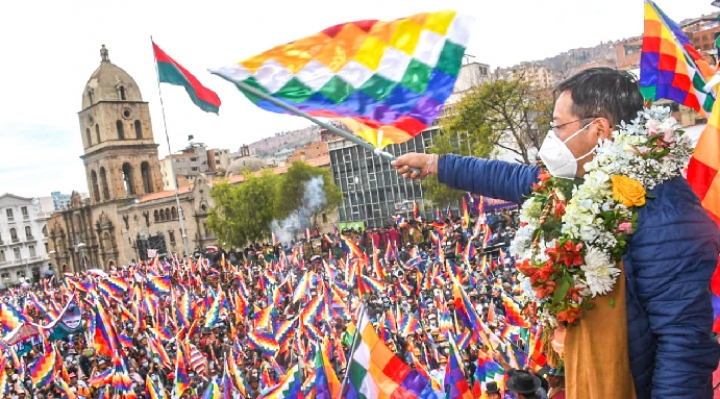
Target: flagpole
(181, 214)
(358, 332)
(349, 136)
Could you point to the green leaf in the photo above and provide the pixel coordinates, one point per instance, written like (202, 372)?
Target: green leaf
(611, 303)
(562, 290)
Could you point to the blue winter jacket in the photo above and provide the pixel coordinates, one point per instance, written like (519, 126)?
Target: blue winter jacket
(670, 260)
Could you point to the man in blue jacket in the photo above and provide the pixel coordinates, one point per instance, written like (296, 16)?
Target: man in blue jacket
(671, 256)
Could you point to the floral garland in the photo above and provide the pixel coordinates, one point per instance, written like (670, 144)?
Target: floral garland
(573, 232)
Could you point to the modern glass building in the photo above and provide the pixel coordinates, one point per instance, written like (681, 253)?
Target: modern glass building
(373, 191)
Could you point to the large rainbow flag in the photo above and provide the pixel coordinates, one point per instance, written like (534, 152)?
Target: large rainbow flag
(386, 81)
(670, 67)
(375, 371)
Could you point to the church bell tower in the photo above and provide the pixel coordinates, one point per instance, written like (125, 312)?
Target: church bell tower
(120, 154)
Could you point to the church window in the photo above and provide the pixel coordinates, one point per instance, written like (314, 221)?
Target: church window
(104, 184)
(157, 216)
(171, 234)
(167, 214)
(162, 215)
(90, 96)
(97, 133)
(138, 130)
(88, 136)
(173, 213)
(122, 93)
(128, 179)
(120, 130)
(95, 187)
(145, 173)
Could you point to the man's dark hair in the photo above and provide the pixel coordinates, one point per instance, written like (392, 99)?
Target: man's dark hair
(603, 93)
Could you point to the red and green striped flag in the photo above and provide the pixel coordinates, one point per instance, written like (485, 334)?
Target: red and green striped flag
(169, 71)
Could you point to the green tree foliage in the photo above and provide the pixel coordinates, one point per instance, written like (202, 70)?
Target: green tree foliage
(243, 212)
(291, 190)
(503, 114)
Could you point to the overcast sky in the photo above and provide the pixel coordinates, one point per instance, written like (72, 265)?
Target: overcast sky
(50, 49)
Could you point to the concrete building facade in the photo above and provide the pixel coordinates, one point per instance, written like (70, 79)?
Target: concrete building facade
(23, 240)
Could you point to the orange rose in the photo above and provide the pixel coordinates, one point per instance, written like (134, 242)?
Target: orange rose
(627, 191)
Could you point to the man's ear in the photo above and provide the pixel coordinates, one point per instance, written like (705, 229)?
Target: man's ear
(603, 128)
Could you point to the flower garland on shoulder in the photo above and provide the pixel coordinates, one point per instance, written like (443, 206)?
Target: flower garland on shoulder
(573, 232)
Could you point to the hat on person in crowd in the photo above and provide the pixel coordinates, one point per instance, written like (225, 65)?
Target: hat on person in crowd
(523, 382)
(558, 372)
(492, 387)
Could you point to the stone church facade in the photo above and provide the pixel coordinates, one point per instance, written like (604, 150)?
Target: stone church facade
(127, 212)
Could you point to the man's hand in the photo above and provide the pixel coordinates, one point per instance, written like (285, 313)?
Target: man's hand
(426, 163)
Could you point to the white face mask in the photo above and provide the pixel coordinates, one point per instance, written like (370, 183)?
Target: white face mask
(558, 158)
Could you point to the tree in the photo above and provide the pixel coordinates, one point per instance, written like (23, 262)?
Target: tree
(243, 212)
(504, 114)
(298, 198)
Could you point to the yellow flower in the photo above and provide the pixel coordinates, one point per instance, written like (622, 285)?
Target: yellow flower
(627, 191)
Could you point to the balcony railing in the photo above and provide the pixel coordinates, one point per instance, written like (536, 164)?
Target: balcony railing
(15, 240)
(26, 217)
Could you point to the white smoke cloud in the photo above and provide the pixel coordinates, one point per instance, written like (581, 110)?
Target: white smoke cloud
(300, 219)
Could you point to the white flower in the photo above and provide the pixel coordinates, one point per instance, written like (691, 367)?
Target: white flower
(600, 272)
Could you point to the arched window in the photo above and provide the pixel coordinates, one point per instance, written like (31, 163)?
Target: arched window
(173, 213)
(28, 232)
(128, 179)
(13, 234)
(138, 130)
(97, 133)
(157, 216)
(122, 93)
(88, 136)
(146, 180)
(167, 214)
(89, 93)
(44, 231)
(162, 215)
(95, 187)
(104, 184)
(120, 130)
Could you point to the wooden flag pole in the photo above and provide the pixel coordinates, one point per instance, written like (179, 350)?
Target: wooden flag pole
(349, 136)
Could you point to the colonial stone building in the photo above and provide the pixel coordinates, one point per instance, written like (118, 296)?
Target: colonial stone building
(127, 212)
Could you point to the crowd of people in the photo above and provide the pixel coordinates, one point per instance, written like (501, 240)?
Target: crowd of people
(238, 321)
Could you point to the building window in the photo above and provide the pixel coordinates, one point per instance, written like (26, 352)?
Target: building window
(16, 253)
(13, 234)
(104, 184)
(171, 234)
(324, 218)
(28, 232)
(173, 213)
(2, 256)
(88, 136)
(167, 214)
(194, 169)
(9, 214)
(32, 250)
(156, 216)
(46, 248)
(122, 93)
(95, 187)
(97, 133)
(193, 159)
(138, 130)
(120, 130)
(128, 179)
(20, 273)
(44, 230)
(24, 212)
(162, 215)
(145, 174)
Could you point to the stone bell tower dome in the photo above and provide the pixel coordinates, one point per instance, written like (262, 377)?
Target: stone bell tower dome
(120, 154)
